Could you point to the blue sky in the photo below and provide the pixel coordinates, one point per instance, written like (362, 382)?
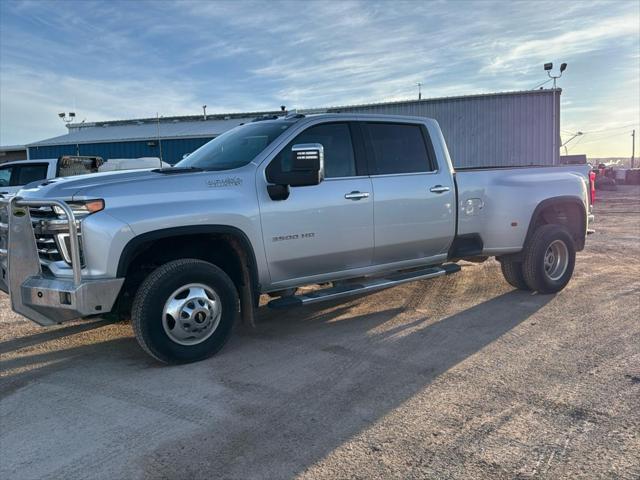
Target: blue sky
(113, 60)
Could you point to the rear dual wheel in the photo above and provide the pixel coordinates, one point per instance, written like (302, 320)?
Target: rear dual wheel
(548, 260)
(512, 272)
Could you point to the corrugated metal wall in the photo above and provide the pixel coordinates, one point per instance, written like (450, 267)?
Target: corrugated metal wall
(503, 129)
(172, 149)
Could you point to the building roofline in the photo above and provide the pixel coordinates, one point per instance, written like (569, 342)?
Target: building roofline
(119, 140)
(75, 127)
(236, 115)
(174, 119)
(433, 100)
(11, 148)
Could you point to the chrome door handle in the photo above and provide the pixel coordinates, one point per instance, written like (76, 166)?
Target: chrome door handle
(439, 189)
(356, 195)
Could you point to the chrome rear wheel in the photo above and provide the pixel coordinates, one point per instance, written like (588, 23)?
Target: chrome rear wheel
(556, 260)
(549, 257)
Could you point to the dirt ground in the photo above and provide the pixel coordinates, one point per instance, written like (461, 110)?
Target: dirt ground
(456, 378)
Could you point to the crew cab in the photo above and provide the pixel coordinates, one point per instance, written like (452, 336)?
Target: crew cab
(353, 203)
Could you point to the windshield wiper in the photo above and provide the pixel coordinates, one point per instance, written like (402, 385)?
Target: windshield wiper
(176, 170)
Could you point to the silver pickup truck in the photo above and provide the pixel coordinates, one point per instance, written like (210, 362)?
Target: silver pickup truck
(353, 203)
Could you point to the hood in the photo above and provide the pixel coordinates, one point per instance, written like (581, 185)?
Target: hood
(68, 187)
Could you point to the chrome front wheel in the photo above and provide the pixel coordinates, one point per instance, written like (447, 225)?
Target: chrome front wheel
(191, 314)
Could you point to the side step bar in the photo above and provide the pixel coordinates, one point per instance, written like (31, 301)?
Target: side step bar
(348, 289)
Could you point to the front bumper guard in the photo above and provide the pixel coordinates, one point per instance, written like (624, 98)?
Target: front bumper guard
(46, 300)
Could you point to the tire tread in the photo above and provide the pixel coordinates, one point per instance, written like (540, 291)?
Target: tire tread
(512, 272)
(531, 271)
(143, 294)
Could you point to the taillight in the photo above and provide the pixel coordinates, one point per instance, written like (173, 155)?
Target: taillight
(592, 186)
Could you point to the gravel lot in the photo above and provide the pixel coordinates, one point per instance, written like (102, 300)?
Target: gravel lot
(456, 378)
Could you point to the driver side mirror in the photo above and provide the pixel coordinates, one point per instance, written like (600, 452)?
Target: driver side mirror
(305, 169)
(307, 165)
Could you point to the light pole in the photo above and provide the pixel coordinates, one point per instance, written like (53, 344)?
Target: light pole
(67, 118)
(566, 152)
(556, 131)
(633, 148)
(549, 66)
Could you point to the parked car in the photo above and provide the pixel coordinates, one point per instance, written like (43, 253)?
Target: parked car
(15, 175)
(362, 202)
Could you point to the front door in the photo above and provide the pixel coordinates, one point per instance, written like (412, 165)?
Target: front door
(325, 228)
(414, 197)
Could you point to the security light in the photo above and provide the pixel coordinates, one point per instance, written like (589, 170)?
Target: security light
(67, 117)
(549, 66)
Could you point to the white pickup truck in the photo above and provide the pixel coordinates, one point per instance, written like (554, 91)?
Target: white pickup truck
(15, 175)
(359, 202)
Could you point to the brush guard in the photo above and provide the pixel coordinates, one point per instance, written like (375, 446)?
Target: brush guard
(43, 298)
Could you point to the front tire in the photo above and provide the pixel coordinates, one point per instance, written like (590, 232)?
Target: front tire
(549, 259)
(184, 311)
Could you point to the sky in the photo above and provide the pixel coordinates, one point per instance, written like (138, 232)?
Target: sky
(117, 60)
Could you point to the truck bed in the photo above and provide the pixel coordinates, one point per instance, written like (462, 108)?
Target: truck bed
(487, 206)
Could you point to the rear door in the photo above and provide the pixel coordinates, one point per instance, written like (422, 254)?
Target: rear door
(322, 229)
(414, 196)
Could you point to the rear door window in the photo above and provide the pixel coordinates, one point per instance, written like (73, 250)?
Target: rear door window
(398, 148)
(30, 173)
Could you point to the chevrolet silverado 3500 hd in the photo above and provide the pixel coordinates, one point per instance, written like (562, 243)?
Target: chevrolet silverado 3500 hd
(362, 202)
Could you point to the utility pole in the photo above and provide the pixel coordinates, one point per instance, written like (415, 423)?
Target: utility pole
(556, 123)
(419, 90)
(633, 147)
(159, 141)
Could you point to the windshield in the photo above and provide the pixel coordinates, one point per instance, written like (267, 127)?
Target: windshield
(235, 148)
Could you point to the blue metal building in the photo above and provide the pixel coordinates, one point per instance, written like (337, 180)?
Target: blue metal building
(167, 138)
(495, 129)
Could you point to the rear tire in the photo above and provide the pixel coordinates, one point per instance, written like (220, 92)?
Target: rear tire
(549, 259)
(184, 311)
(512, 272)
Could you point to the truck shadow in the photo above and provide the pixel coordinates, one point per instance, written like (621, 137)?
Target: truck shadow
(51, 334)
(319, 394)
(300, 385)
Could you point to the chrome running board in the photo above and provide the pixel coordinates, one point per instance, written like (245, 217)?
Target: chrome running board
(373, 284)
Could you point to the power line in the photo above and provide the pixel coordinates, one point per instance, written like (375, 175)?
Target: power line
(612, 128)
(608, 136)
(543, 83)
(575, 144)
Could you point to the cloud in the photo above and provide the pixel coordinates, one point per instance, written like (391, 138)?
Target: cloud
(126, 59)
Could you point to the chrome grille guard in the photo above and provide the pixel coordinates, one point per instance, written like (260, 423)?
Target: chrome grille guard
(46, 299)
(4, 242)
